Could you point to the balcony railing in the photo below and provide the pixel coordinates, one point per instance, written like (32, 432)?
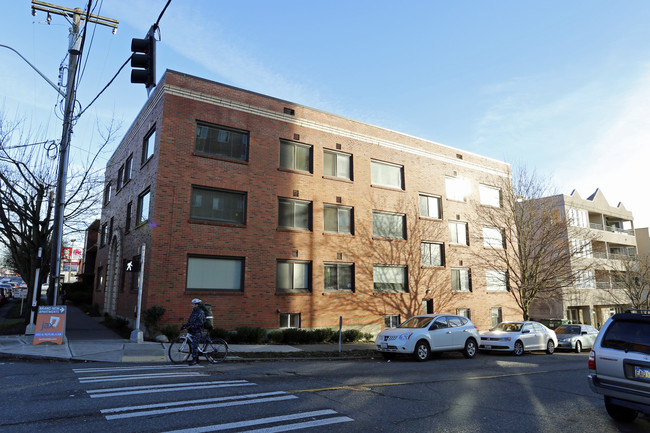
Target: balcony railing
(611, 229)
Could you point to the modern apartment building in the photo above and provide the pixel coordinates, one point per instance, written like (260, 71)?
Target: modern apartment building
(603, 239)
(281, 215)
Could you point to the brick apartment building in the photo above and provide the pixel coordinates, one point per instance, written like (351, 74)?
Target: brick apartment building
(280, 215)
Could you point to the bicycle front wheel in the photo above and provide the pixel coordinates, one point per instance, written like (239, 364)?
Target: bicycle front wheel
(215, 351)
(179, 350)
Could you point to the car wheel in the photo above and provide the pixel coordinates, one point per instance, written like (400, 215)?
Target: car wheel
(550, 347)
(620, 413)
(388, 356)
(471, 349)
(519, 348)
(422, 351)
(578, 347)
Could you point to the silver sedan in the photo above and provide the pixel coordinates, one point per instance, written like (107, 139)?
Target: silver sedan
(576, 337)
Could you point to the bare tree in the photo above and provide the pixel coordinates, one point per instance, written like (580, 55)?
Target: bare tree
(426, 281)
(630, 281)
(28, 176)
(533, 251)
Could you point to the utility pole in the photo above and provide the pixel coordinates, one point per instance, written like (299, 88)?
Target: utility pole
(74, 49)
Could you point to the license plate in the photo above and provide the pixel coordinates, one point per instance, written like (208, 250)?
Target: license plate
(642, 373)
(488, 347)
(384, 345)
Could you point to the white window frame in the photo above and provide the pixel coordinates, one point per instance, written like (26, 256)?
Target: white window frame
(578, 218)
(457, 188)
(490, 195)
(342, 160)
(425, 203)
(427, 250)
(496, 280)
(458, 233)
(463, 278)
(292, 320)
(492, 238)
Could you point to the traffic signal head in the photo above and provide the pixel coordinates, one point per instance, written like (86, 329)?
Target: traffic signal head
(143, 60)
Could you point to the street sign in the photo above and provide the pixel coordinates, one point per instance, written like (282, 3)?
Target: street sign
(21, 294)
(50, 325)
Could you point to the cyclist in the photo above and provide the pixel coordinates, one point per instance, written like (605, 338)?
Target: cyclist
(194, 325)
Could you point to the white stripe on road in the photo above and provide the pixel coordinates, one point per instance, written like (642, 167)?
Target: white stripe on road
(181, 403)
(141, 367)
(301, 425)
(94, 379)
(268, 420)
(191, 386)
(205, 406)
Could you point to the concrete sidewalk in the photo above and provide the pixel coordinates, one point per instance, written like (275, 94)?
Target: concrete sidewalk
(88, 340)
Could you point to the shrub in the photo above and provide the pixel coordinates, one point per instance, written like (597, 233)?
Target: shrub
(78, 293)
(248, 335)
(151, 316)
(324, 335)
(171, 332)
(220, 333)
(351, 335)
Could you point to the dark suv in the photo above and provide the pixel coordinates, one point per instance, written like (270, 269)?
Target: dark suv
(620, 364)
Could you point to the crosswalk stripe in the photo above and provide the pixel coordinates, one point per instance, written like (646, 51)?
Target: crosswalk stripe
(167, 385)
(199, 407)
(95, 379)
(301, 425)
(167, 388)
(260, 421)
(140, 367)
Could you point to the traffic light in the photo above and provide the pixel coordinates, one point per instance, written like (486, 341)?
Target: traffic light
(143, 60)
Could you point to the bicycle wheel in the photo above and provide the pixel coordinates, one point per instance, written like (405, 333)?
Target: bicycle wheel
(179, 350)
(215, 351)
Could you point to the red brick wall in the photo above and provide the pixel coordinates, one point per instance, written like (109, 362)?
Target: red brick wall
(175, 168)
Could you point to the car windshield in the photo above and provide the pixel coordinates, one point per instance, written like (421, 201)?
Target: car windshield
(416, 322)
(508, 327)
(573, 329)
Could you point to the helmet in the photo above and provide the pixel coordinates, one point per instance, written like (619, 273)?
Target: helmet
(196, 301)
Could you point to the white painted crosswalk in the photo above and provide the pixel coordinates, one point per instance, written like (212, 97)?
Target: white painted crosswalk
(171, 406)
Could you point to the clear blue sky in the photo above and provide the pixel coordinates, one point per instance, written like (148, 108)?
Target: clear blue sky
(560, 86)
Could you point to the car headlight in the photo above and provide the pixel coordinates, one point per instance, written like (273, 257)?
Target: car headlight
(405, 336)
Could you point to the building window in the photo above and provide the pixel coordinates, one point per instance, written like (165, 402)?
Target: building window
(338, 219)
(110, 229)
(586, 279)
(128, 169)
(430, 206)
(578, 218)
(581, 248)
(129, 210)
(496, 281)
(458, 233)
(390, 279)
(123, 274)
(295, 156)
(108, 190)
(218, 205)
(120, 178)
(293, 276)
(222, 274)
(460, 280)
(457, 189)
(489, 195)
(339, 277)
(222, 142)
(135, 275)
(433, 254)
(294, 214)
(337, 164)
(143, 208)
(385, 174)
(464, 312)
(388, 225)
(289, 320)
(392, 320)
(100, 279)
(495, 313)
(148, 146)
(492, 238)
(103, 235)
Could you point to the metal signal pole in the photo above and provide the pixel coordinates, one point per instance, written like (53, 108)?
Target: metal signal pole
(74, 49)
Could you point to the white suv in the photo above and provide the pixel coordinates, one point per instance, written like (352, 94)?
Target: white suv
(620, 364)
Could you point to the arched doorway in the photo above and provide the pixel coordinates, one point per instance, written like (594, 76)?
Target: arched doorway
(113, 270)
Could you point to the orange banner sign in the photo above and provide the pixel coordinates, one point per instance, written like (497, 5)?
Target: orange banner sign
(50, 324)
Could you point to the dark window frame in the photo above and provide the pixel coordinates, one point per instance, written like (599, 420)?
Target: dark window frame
(241, 194)
(245, 147)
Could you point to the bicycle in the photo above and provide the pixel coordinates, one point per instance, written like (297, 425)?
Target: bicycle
(214, 351)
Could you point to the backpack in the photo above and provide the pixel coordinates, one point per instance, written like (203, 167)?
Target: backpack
(208, 323)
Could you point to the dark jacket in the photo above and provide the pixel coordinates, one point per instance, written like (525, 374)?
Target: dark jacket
(195, 322)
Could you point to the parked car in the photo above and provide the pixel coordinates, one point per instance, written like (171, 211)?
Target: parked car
(619, 365)
(5, 290)
(519, 337)
(576, 337)
(421, 335)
